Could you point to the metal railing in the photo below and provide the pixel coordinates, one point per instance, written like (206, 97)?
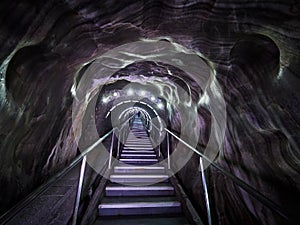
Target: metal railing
(83, 163)
(82, 158)
(202, 170)
(7, 216)
(82, 171)
(249, 189)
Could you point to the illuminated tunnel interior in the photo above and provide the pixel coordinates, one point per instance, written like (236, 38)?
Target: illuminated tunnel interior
(209, 87)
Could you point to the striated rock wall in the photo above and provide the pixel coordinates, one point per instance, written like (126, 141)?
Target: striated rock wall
(253, 47)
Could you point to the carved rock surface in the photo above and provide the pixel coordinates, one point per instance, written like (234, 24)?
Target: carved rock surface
(253, 47)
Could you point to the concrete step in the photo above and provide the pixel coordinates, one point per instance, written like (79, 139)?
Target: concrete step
(138, 156)
(134, 146)
(151, 190)
(148, 145)
(157, 220)
(139, 169)
(135, 137)
(139, 151)
(138, 128)
(138, 178)
(139, 161)
(121, 206)
(137, 148)
(138, 145)
(136, 133)
(138, 139)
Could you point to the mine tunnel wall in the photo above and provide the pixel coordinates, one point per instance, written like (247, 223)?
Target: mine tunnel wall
(256, 58)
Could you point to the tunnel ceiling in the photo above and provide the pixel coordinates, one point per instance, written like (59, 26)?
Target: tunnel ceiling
(252, 51)
(147, 79)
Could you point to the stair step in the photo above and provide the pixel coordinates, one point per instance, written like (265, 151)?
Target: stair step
(139, 161)
(135, 154)
(120, 206)
(137, 148)
(142, 160)
(138, 178)
(138, 132)
(139, 208)
(138, 156)
(138, 136)
(141, 190)
(139, 169)
(133, 145)
(169, 220)
(139, 141)
(152, 190)
(139, 151)
(139, 199)
(138, 129)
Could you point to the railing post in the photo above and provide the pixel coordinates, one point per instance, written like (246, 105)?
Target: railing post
(159, 150)
(168, 148)
(111, 149)
(77, 201)
(205, 192)
(119, 143)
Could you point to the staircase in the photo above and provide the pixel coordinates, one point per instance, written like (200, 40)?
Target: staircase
(139, 192)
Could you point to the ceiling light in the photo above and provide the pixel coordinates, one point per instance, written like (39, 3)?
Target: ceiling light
(130, 92)
(143, 93)
(160, 105)
(105, 99)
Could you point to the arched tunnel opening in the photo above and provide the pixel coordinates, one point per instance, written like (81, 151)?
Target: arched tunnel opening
(149, 112)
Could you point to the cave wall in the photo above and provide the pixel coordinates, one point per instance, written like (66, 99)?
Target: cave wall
(253, 46)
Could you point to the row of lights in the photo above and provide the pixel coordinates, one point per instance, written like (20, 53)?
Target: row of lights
(131, 92)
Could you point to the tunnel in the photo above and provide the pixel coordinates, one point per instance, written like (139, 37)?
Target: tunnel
(149, 112)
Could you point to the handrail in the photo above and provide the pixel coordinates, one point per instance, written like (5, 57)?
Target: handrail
(4, 218)
(82, 169)
(202, 175)
(91, 148)
(205, 192)
(8, 215)
(253, 192)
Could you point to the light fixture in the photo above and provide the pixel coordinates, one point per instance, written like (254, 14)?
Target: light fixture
(160, 105)
(115, 94)
(143, 93)
(130, 91)
(152, 98)
(105, 99)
